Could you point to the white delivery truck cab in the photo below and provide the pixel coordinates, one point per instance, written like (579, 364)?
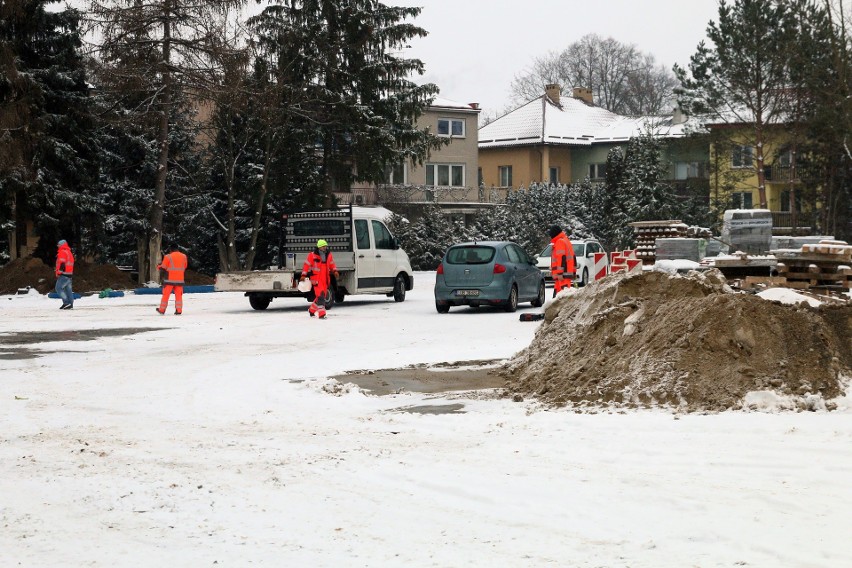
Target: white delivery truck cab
(368, 258)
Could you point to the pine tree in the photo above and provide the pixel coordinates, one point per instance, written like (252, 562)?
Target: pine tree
(48, 158)
(158, 53)
(343, 95)
(743, 78)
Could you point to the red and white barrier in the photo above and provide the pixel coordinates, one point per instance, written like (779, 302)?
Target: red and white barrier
(625, 260)
(601, 266)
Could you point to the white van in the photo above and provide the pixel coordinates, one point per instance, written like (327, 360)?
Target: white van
(584, 263)
(368, 258)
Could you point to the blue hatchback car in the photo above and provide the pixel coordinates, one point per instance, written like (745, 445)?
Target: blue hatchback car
(488, 273)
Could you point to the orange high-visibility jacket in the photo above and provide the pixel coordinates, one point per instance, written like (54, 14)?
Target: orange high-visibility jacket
(174, 264)
(319, 270)
(562, 257)
(64, 261)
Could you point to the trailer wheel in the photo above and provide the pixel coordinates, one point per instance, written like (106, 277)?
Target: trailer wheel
(259, 302)
(339, 295)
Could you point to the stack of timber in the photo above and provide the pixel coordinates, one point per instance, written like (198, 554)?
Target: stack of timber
(646, 233)
(827, 264)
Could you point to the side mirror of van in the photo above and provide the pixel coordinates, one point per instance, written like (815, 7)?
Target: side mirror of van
(394, 243)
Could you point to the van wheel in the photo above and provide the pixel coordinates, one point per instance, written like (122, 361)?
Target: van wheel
(512, 301)
(399, 289)
(442, 308)
(339, 295)
(539, 300)
(259, 302)
(585, 279)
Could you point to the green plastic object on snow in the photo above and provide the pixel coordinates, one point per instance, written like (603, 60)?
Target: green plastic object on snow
(105, 293)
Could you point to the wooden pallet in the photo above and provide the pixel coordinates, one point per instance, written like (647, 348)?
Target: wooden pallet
(820, 273)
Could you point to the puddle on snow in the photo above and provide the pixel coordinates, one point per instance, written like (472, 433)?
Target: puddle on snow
(443, 377)
(454, 408)
(16, 339)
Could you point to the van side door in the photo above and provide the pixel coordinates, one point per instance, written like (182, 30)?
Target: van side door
(386, 261)
(365, 255)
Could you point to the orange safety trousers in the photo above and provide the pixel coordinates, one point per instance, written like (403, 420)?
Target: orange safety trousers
(318, 305)
(167, 291)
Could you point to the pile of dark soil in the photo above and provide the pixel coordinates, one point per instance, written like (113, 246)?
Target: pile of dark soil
(34, 273)
(689, 342)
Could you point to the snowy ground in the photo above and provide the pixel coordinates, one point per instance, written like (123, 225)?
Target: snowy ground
(217, 441)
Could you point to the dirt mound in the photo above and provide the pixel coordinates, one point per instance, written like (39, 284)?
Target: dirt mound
(687, 341)
(193, 278)
(32, 272)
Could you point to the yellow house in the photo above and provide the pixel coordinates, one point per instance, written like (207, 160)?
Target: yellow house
(735, 183)
(561, 140)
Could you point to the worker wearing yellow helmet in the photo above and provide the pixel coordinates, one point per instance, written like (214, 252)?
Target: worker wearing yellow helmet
(319, 266)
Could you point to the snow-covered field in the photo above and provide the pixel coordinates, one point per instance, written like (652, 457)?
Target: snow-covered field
(217, 440)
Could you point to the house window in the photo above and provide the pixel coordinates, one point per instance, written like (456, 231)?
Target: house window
(554, 176)
(396, 174)
(505, 176)
(597, 171)
(741, 200)
(687, 170)
(451, 127)
(447, 175)
(742, 157)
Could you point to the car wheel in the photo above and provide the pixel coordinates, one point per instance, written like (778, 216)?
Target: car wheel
(442, 308)
(339, 296)
(512, 301)
(585, 279)
(539, 300)
(259, 302)
(399, 289)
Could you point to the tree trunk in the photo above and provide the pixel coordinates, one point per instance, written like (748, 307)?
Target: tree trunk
(258, 209)
(155, 219)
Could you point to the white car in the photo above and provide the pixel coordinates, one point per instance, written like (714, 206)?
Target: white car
(584, 250)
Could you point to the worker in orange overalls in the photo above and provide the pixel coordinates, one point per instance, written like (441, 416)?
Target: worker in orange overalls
(319, 265)
(561, 259)
(174, 264)
(64, 272)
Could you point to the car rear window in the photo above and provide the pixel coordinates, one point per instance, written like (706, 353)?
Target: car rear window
(470, 255)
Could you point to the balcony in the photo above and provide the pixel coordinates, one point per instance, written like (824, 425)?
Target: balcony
(777, 173)
(782, 223)
(444, 196)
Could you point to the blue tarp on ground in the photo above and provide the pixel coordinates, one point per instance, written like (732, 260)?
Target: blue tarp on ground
(186, 290)
(55, 296)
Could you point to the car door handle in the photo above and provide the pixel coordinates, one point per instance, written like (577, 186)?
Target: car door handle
(378, 256)
(360, 256)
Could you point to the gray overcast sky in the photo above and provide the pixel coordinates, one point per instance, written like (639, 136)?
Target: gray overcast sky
(476, 47)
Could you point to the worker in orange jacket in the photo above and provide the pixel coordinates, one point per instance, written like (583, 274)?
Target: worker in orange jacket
(561, 259)
(174, 263)
(319, 266)
(64, 271)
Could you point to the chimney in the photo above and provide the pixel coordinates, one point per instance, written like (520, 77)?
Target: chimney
(583, 94)
(474, 106)
(678, 117)
(553, 92)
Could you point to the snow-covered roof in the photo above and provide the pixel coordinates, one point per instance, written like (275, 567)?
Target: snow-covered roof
(572, 123)
(441, 102)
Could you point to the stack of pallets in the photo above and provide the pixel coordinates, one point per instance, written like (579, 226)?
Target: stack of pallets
(827, 264)
(646, 233)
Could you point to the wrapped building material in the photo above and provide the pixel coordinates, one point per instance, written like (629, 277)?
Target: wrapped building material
(680, 248)
(747, 230)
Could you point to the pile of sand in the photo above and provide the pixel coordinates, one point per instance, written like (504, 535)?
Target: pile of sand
(690, 342)
(32, 272)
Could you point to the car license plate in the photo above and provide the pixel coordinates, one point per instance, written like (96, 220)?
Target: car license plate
(467, 292)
